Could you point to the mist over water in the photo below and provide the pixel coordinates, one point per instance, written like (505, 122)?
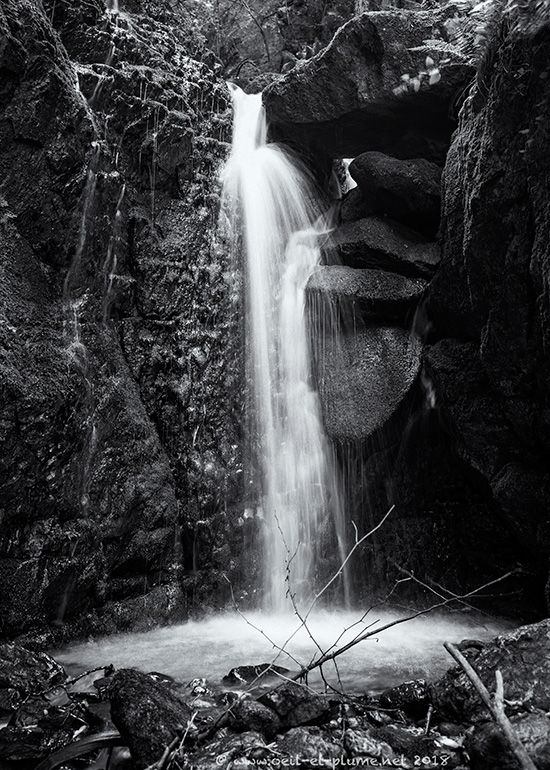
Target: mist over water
(272, 206)
(213, 646)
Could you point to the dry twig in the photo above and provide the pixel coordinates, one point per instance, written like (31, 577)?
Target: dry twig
(495, 706)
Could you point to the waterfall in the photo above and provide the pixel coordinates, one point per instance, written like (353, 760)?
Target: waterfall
(271, 201)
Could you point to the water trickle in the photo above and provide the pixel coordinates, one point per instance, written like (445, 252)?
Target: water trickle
(111, 260)
(72, 303)
(270, 199)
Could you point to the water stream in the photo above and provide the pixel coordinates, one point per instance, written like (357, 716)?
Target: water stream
(272, 202)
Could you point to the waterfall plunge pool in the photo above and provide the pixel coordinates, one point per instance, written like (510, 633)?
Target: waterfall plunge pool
(211, 647)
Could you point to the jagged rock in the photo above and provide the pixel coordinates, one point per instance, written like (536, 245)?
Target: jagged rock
(296, 705)
(378, 243)
(353, 206)
(489, 750)
(521, 656)
(354, 293)
(309, 743)
(344, 99)
(364, 379)
(411, 697)
(148, 714)
(245, 674)
(408, 191)
(23, 673)
(248, 714)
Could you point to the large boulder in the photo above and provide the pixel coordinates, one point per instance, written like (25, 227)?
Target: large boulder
(408, 191)
(147, 713)
(350, 97)
(354, 294)
(365, 380)
(379, 243)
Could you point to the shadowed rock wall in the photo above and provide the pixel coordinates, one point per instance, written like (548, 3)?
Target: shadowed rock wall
(489, 302)
(119, 461)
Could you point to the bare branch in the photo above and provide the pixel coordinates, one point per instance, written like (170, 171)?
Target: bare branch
(374, 632)
(495, 706)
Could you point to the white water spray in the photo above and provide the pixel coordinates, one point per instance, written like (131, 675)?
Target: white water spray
(280, 221)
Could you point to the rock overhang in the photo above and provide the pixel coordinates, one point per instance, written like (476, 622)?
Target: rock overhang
(372, 88)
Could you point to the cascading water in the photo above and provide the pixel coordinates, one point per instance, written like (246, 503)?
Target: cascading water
(272, 201)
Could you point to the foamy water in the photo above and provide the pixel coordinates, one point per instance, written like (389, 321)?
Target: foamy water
(211, 647)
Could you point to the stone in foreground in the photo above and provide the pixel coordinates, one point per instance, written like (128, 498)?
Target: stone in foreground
(147, 713)
(23, 673)
(522, 656)
(248, 714)
(296, 705)
(246, 674)
(489, 750)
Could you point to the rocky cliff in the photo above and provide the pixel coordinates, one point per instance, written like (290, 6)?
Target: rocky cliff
(489, 302)
(119, 433)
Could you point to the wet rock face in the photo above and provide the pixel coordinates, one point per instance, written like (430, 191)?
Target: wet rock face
(112, 128)
(246, 674)
(348, 99)
(489, 302)
(411, 697)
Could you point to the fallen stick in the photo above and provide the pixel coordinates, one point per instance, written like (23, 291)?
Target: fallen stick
(495, 707)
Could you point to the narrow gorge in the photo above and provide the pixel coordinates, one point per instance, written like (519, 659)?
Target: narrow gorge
(274, 383)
